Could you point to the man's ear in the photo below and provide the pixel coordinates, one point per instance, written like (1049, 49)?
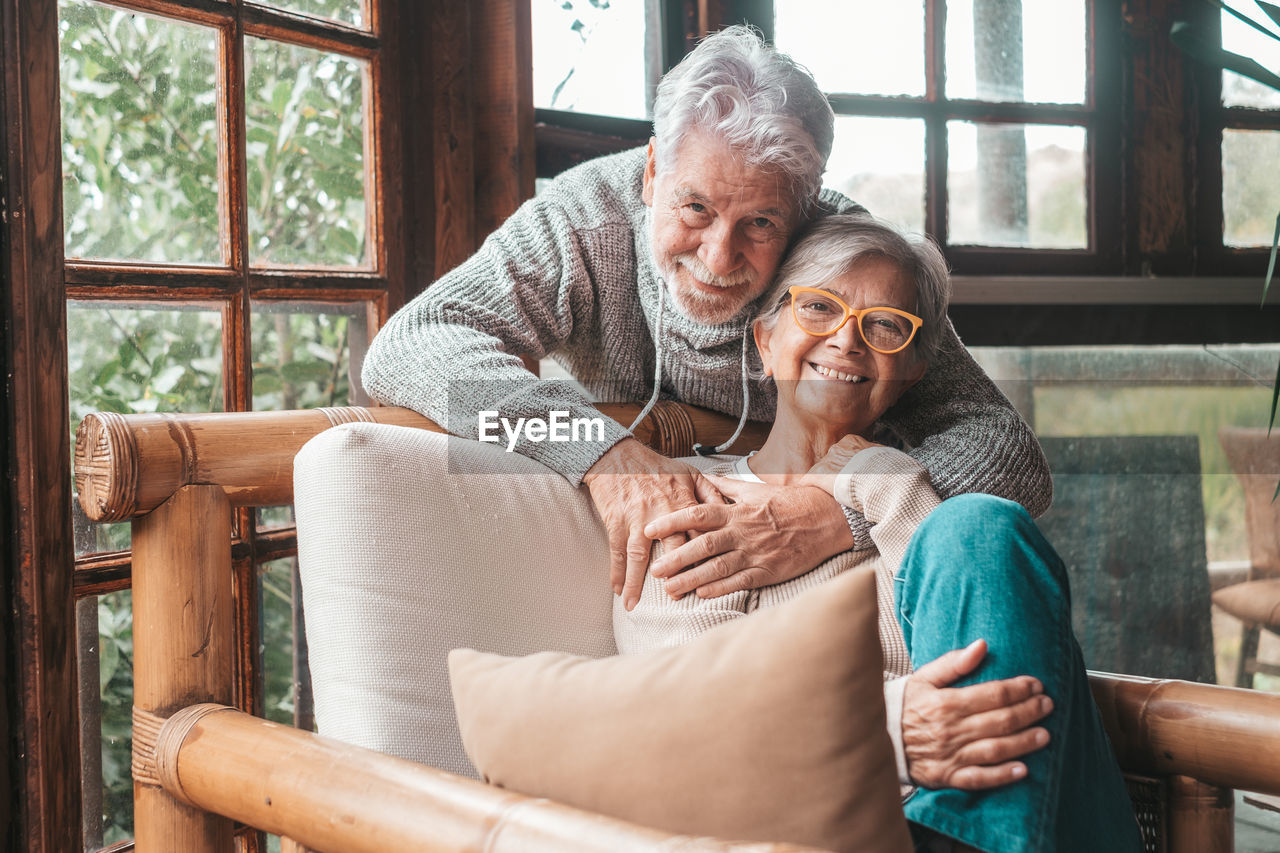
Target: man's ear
(650, 170)
(762, 336)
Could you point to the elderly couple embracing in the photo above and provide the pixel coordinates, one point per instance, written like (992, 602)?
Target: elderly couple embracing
(712, 269)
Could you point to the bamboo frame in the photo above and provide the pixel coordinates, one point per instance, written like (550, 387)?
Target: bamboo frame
(183, 648)
(265, 774)
(1210, 739)
(127, 465)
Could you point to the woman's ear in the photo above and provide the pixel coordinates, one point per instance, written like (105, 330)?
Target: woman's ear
(762, 336)
(650, 170)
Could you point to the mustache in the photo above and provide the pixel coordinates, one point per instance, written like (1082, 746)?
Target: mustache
(689, 260)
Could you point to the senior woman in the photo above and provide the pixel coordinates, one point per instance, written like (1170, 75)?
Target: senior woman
(851, 322)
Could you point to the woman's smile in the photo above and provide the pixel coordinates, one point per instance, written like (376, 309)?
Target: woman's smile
(825, 372)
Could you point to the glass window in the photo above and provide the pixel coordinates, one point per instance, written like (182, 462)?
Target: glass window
(589, 57)
(305, 356)
(104, 627)
(127, 358)
(1016, 185)
(139, 137)
(1239, 37)
(305, 141)
(1009, 50)
(1250, 186)
(352, 12)
(857, 46)
(286, 679)
(879, 163)
(1128, 406)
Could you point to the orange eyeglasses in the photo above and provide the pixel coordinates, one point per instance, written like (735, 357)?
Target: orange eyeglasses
(821, 313)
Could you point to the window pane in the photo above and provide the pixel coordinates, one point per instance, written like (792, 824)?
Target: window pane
(305, 142)
(139, 136)
(857, 46)
(343, 11)
(1239, 37)
(286, 679)
(130, 358)
(1016, 185)
(589, 57)
(879, 163)
(1008, 50)
(1250, 186)
(1143, 401)
(104, 627)
(306, 355)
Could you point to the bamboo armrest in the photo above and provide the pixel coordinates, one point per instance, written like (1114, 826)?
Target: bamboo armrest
(329, 795)
(127, 465)
(1219, 735)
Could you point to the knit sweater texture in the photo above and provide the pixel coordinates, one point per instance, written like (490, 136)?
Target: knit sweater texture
(571, 275)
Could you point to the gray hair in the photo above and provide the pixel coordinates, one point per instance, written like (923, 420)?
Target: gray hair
(831, 246)
(756, 100)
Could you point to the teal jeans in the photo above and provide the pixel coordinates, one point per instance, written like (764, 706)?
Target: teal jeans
(978, 567)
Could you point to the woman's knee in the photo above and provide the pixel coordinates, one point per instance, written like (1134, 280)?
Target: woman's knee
(989, 537)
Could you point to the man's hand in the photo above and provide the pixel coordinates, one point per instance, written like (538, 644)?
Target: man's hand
(969, 737)
(631, 485)
(769, 535)
(823, 473)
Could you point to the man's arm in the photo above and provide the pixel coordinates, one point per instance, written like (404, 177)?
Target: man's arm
(968, 435)
(454, 351)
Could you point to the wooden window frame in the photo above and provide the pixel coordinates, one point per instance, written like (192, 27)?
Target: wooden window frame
(42, 575)
(1156, 272)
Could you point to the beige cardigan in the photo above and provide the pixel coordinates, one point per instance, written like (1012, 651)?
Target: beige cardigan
(893, 492)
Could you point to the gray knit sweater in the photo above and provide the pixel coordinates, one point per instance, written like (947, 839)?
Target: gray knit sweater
(571, 274)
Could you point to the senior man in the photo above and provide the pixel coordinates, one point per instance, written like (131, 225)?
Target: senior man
(638, 273)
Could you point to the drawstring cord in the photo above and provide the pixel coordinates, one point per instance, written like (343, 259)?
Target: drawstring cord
(657, 367)
(746, 404)
(699, 449)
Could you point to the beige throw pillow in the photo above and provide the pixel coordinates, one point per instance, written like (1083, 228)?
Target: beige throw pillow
(770, 728)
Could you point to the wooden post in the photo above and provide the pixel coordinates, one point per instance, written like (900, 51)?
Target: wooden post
(1201, 817)
(183, 651)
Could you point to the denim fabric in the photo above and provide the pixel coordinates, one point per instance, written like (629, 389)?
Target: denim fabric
(978, 567)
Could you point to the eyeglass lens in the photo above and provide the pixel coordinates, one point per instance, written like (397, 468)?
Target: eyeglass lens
(820, 315)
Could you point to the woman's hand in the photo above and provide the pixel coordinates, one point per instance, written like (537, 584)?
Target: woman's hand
(823, 473)
(769, 535)
(969, 737)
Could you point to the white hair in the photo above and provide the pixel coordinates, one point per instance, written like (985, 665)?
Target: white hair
(755, 99)
(832, 245)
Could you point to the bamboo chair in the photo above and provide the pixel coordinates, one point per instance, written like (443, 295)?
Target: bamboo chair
(199, 764)
(1255, 458)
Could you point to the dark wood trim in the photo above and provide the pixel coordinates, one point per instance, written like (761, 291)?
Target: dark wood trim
(961, 110)
(81, 274)
(416, 137)
(560, 148)
(1109, 325)
(209, 12)
(43, 663)
(502, 78)
(305, 31)
(384, 117)
(453, 141)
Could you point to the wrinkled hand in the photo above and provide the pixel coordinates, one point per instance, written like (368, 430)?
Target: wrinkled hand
(823, 473)
(769, 535)
(631, 485)
(969, 737)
